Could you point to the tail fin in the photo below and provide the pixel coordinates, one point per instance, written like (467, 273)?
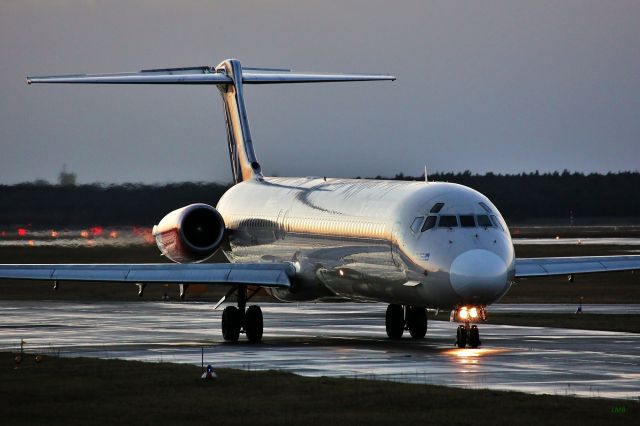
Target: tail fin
(230, 77)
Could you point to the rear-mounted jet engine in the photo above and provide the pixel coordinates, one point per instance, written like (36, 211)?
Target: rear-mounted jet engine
(190, 234)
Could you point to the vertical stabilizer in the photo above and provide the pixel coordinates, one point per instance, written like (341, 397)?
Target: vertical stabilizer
(244, 164)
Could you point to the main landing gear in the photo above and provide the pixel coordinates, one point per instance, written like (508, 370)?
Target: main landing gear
(236, 320)
(400, 318)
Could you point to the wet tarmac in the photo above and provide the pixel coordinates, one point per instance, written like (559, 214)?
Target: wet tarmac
(337, 340)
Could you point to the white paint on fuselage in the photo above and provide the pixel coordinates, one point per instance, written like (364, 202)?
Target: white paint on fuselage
(351, 238)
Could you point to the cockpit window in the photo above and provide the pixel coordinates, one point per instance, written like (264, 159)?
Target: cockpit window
(467, 221)
(436, 208)
(448, 222)
(496, 222)
(484, 221)
(485, 207)
(415, 226)
(429, 223)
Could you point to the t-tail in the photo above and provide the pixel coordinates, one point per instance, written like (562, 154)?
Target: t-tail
(230, 77)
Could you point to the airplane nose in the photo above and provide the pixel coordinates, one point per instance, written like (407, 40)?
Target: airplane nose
(478, 275)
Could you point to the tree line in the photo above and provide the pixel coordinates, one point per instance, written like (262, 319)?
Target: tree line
(559, 197)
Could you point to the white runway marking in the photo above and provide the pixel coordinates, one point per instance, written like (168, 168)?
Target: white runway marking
(334, 340)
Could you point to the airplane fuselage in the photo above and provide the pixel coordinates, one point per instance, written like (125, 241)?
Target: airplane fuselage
(373, 240)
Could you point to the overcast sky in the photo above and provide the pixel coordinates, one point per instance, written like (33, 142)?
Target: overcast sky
(503, 86)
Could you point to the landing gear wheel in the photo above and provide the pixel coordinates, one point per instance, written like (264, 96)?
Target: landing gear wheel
(231, 322)
(394, 321)
(417, 321)
(253, 323)
(461, 337)
(474, 337)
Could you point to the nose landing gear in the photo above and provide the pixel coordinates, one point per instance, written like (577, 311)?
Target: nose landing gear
(467, 334)
(400, 318)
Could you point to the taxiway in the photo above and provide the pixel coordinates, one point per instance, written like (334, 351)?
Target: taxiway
(345, 339)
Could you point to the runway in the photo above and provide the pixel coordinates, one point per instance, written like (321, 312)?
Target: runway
(336, 340)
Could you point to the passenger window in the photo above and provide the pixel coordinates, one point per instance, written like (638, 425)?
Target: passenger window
(496, 222)
(415, 226)
(467, 221)
(484, 221)
(429, 223)
(436, 208)
(448, 222)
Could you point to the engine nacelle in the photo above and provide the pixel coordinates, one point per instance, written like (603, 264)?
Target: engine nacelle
(190, 234)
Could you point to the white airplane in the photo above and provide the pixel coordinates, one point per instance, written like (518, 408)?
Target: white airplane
(413, 245)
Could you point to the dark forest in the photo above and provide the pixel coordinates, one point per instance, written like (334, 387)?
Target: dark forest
(527, 198)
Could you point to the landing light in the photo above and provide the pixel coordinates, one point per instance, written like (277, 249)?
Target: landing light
(463, 314)
(468, 314)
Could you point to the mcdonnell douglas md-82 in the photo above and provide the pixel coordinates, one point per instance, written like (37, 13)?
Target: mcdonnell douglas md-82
(412, 245)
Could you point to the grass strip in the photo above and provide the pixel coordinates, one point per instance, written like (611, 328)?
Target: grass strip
(69, 391)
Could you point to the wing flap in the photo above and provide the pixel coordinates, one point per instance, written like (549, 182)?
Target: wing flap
(264, 275)
(552, 266)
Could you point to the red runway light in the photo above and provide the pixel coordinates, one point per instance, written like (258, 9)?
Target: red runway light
(96, 231)
(22, 232)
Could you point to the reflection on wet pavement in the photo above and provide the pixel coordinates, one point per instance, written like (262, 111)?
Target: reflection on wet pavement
(333, 340)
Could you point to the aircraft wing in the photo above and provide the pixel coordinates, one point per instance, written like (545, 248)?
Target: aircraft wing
(550, 266)
(262, 274)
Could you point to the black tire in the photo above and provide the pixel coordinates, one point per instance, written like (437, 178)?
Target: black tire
(474, 337)
(461, 337)
(417, 322)
(394, 321)
(253, 323)
(231, 324)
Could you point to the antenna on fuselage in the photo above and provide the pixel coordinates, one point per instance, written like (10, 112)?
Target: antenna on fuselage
(230, 77)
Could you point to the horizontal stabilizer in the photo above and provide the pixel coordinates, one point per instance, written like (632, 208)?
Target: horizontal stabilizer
(206, 75)
(143, 77)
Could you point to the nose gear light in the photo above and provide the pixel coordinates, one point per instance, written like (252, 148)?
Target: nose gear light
(468, 314)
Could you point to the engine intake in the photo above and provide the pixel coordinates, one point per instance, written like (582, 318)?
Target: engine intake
(190, 234)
